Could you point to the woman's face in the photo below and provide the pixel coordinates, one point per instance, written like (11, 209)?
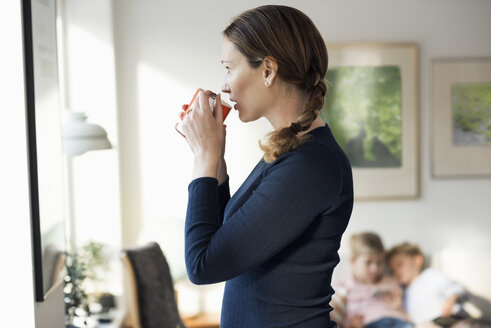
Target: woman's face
(244, 84)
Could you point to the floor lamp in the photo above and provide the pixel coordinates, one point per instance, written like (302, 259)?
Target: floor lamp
(79, 137)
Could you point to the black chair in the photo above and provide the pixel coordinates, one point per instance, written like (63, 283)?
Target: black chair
(152, 302)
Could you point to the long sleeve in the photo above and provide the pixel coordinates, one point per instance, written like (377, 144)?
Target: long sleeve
(275, 241)
(223, 198)
(291, 194)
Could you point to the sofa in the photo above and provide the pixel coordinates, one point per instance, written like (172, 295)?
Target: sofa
(470, 267)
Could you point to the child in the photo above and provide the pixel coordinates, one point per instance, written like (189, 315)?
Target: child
(429, 295)
(372, 299)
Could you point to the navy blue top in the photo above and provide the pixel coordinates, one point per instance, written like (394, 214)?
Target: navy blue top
(275, 241)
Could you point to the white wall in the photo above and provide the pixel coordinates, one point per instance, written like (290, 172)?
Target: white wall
(90, 87)
(17, 306)
(166, 49)
(88, 84)
(16, 279)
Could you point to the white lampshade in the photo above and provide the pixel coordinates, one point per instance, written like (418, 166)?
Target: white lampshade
(80, 136)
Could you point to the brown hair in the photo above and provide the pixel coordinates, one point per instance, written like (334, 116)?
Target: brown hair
(406, 249)
(366, 243)
(291, 38)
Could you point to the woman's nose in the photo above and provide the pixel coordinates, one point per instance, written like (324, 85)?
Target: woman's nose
(225, 88)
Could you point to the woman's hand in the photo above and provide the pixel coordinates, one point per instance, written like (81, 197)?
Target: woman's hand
(205, 134)
(222, 165)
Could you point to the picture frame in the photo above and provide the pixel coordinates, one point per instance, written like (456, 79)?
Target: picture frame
(45, 152)
(372, 108)
(461, 117)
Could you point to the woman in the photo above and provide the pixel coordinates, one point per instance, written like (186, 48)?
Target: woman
(275, 241)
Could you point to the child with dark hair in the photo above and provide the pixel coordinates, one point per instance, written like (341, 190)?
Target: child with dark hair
(429, 295)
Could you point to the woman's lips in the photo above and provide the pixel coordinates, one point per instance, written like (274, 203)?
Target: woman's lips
(235, 105)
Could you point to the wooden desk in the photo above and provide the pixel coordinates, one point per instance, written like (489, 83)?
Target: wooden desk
(203, 320)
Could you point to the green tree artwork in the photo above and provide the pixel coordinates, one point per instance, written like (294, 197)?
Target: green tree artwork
(364, 110)
(471, 107)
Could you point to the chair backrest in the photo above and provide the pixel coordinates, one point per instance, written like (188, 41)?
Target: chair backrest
(152, 301)
(53, 264)
(132, 319)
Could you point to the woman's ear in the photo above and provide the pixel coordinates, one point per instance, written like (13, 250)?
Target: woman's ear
(270, 69)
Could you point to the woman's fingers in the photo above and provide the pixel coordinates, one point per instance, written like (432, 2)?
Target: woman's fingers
(204, 132)
(219, 109)
(204, 100)
(175, 127)
(200, 118)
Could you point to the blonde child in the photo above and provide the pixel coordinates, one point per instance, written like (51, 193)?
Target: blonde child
(429, 295)
(373, 300)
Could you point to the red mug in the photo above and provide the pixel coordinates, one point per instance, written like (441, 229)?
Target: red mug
(225, 109)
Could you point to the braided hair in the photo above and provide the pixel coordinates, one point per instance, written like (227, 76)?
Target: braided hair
(291, 38)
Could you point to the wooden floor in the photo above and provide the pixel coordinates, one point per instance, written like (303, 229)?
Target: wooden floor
(204, 320)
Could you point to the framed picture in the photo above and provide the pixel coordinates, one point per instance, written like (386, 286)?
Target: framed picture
(372, 108)
(45, 145)
(461, 117)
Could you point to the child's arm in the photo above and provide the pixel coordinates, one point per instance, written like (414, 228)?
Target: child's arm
(338, 314)
(356, 321)
(339, 302)
(451, 290)
(449, 304)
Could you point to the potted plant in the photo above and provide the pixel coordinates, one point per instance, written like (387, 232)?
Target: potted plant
(83, 270)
